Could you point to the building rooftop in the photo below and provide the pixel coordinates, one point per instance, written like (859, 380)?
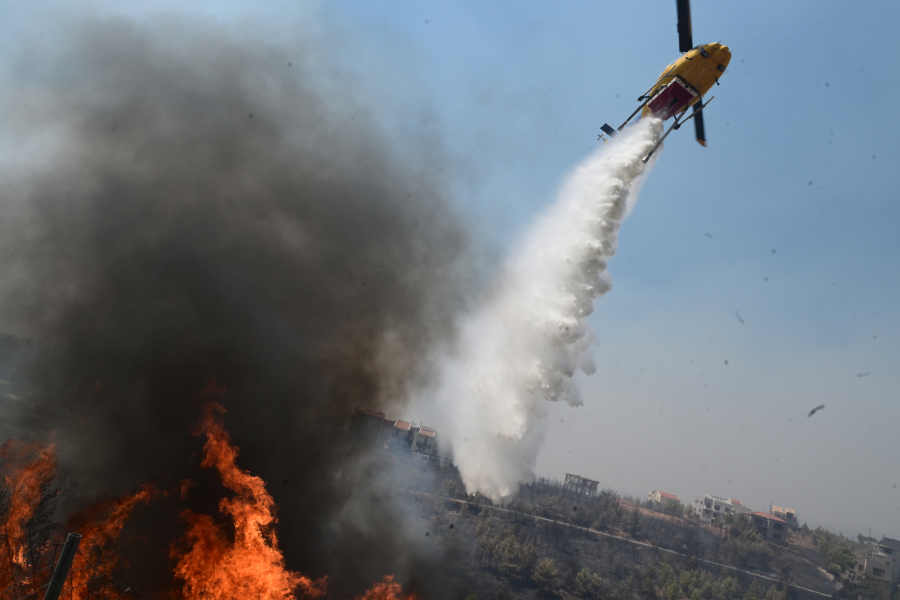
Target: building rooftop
(886, 541)
(765, 516)
(735, 502)
(669, 496)
(403, 425)
(426, 431)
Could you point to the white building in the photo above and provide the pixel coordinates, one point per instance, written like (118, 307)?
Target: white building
(708, 507)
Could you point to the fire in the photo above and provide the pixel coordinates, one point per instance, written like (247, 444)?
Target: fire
(388, 590)
(215, 567)
(103, 521)
(99, 524)
(24, 486)
(213, 564)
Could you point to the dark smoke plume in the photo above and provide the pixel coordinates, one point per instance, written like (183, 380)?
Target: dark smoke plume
(204, 212)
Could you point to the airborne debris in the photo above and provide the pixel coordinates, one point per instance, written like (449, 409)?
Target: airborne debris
(866, 374)
(737, 313)
(815, 410)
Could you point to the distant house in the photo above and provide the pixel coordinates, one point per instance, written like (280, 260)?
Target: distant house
(709, 507)
(888, 553)
(660, 499)
(424, 441)
(787, 514)
(401, 436)
(879, 566)
(769, 526)
(370, 427)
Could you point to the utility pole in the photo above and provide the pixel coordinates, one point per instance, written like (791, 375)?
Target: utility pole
(70, 549)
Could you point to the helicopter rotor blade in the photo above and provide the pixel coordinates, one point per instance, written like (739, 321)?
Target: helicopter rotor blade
(698, 126)
(685, 36)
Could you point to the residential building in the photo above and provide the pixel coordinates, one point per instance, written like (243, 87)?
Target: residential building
(401, 436)
(660, 499)
(890, 549)
(709, 507)
(786, 514)
(424, 440)
(371, 427)
(769, 526)
(878, 566)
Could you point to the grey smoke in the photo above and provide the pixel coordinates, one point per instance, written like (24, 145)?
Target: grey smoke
(183, 206)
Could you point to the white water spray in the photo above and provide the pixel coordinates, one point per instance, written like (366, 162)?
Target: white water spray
(522, 347)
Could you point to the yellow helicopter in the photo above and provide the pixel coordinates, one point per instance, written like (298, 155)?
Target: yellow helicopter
(683, 83)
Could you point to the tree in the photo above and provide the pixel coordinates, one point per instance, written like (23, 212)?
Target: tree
(634, 522)
(527, 557)
(784, 576)
(753, 592)
(450, 487)
(509, 555)
(588, 584)
(648, 589)
(873, 588)
(728, 587)
(837, 551)
(745, 545)
(545, 575)
(674, 591)
(674, 508)
(773, 594)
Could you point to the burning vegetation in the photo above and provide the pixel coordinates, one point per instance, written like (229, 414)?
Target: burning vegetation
(29, 552)
(23, 486)
(215, 567)
(214, 561)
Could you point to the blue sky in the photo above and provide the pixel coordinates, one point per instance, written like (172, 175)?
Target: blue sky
(787, 220)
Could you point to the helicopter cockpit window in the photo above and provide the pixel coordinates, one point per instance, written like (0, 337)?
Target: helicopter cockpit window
(721, 68)
(703, 52)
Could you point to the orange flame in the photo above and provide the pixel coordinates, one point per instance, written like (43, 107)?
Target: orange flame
(388, 590)
(24, 486)
(98, 524)
(102, 521)
(250, 566)
(213, 566)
